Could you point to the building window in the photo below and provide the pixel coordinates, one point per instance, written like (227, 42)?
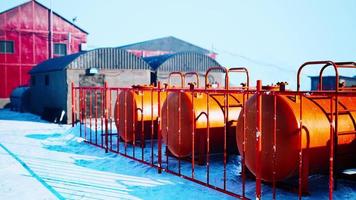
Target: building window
(47, 80)
(6, 46)
(60, 49)
(33, 80)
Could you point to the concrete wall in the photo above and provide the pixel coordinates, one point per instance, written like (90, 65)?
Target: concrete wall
(114, 78)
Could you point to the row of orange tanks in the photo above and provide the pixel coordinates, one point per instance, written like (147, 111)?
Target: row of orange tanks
(186, 115)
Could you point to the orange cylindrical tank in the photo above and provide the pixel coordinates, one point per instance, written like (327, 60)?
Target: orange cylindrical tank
(140, 110)
(193, 114)
(315, 139)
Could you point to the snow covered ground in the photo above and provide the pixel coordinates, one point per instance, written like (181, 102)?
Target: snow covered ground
(39, 160)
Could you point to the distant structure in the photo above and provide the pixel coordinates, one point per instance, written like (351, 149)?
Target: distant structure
(50, 87)
(29, 34)
(329, 82)
(163, 65)
(165, 45)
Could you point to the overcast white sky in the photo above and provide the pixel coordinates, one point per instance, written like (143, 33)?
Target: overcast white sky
(271, 38)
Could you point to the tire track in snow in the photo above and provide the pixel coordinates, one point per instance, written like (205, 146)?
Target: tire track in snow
(33, 174)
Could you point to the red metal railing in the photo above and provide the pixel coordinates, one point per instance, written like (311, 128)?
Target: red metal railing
(98, 117)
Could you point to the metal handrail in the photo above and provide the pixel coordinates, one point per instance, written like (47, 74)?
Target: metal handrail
(176, 73)
(241, 69)
(217, 68)
(339, 65)
(192, 73)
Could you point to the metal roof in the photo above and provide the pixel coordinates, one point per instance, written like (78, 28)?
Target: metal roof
(169, 44)
(103, 58)
(184, 61)
(38, 3)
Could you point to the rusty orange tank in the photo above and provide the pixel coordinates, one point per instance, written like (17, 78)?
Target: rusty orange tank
(316, 135)
(193, 117)
(140, 112)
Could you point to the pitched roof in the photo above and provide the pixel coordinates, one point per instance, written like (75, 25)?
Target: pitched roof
(47, 9)
(55, 64)
(169, 44)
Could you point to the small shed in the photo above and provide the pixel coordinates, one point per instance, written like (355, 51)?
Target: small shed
(50, 86)
(163, 65)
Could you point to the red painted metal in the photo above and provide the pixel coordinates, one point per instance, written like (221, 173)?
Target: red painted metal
(250, 134)
(338, 65)
(73, 103)
(181, 76)
(28, 27)
(106, 115)
(300, 158)
(274, 146)
(258, 139)
(159, 128)
(192, 74)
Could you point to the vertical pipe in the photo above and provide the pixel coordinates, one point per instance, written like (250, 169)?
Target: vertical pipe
(90, 113)
(193, 135)
(243, 144)
(274, 145)
(110, 117)
(179, 130)
(125, 123)
(106, 117)
(152, 128)
(258, 139)
(159, 136)
(102, 116)
(80, 111)
(226, 115)
(85, 113)
(50, 34)
(73, 102)
(142, 129)
(300, 179)
(167, 135)
(335, 142)
(134, 113)
(331, 156)
(96, 116)
(207, 140)
(118, 120)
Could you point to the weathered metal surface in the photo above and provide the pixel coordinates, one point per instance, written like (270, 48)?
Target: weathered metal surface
(29, 27)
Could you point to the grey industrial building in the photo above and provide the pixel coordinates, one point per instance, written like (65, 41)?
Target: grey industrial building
(51, 80)
(50, 85)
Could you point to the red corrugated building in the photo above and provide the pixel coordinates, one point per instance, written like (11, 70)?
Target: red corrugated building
(29, 34)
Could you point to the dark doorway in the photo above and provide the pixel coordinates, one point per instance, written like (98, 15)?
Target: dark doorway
(93, 97)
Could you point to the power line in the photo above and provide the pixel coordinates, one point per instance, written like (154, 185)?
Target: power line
(252, 60)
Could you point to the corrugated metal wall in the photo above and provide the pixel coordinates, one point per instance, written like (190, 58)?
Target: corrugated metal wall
(27, 27)
(109, 58)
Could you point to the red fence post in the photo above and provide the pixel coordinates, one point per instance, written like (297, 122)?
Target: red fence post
(331, 155)
(159, 135)
(258, 139)
(73, 103)
(106, 116)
